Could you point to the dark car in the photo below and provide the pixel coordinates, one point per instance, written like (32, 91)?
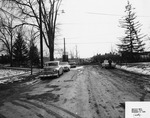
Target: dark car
(72, 64)
(108, 64)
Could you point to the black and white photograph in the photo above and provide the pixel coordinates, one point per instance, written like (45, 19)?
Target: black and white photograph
(74, 59)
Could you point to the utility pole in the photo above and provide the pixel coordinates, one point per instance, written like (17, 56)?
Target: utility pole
(41, 41)
(65, 56)
(64, 47)
(76, 52)
(11, 37)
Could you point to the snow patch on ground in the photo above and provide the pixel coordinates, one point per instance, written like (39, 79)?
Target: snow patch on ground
(141, 69)
(8, 75)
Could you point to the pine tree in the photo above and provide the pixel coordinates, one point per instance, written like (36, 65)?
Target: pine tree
(20, 50)
(34, 55)
(131, 43)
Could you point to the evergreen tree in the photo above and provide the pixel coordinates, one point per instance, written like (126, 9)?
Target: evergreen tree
(131, 43)
(34, 55)
(20, 50)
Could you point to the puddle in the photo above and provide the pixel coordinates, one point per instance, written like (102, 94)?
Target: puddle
(68, 80)
(51, 86)
(68, 86)
(55, 87)
(44, 97)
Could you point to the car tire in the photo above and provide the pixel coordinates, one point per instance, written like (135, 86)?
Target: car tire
(62, 72)
(58, 74)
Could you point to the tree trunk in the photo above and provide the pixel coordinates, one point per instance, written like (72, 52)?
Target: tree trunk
(52, 53)
(51, 46)
(31, 66)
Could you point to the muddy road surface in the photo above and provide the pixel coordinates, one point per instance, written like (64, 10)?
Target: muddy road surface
(83, 92)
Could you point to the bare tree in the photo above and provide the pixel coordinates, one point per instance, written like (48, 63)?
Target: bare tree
(59, 52)
(7, 32)
(29, 13)
(72, 55)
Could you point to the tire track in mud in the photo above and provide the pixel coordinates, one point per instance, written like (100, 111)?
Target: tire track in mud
(51, 109)
(138, 83)
(114, 88)
(100, 96)
(74, 76)
(142, 83)
(93, 99)
(131, 77)
(29, 107)
(36, 109)
(42, 111)
(120, 82)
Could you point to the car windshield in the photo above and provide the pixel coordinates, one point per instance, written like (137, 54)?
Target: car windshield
(52, 64)
(63, 63)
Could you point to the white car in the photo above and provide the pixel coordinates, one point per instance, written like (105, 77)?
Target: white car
(106, 64)
(65, 66)
(52, 68)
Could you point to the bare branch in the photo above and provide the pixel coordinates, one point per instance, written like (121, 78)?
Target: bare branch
(25, 23)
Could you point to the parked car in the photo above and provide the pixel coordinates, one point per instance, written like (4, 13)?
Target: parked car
(108, 64)
(72, 64)
(52, 68)
(65, 66)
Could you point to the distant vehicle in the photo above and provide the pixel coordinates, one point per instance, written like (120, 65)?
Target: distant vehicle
(108, 64)
(72, 64)
(65, 66)
(52, 68)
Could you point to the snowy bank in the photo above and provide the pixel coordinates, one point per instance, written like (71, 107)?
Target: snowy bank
(135, 69)
(8, 75)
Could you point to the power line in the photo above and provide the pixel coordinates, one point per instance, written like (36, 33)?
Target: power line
(94, 13)
(105, 14)
(90, 43)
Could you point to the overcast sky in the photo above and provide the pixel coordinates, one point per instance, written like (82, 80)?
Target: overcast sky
(93, 25)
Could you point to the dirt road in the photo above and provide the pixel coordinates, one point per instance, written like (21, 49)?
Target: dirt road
(84, 92)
